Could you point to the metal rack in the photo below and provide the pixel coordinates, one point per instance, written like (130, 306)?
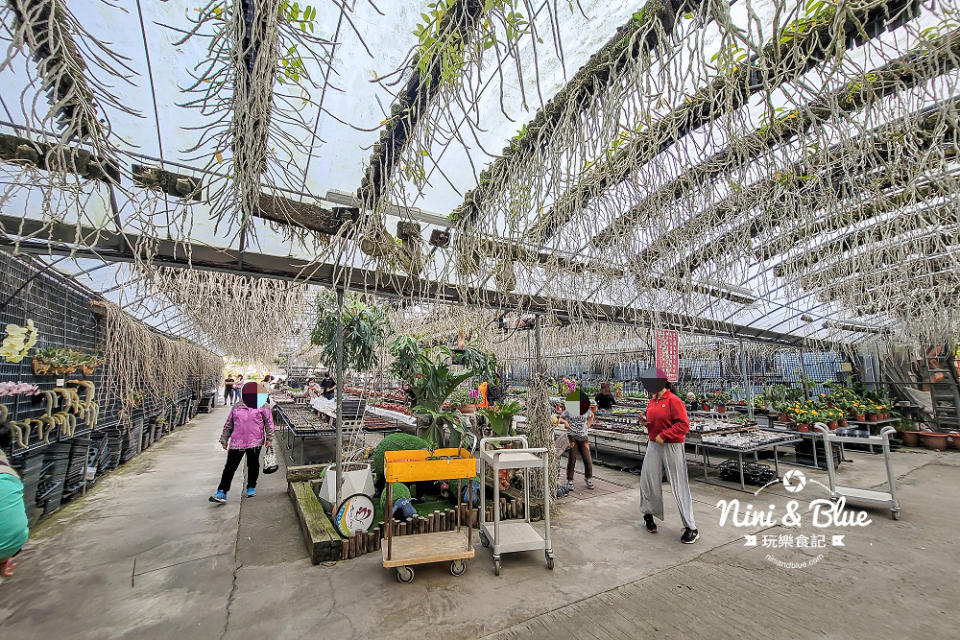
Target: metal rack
(518, 535)
(888, 497)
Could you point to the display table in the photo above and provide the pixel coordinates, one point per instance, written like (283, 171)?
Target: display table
(302, 424)
(746, 442)
(704, 436)
(400, 419)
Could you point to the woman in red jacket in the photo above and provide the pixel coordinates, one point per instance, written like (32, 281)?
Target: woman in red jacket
(667, 426)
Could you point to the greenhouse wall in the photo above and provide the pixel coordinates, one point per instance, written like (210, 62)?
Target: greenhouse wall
(62, 465)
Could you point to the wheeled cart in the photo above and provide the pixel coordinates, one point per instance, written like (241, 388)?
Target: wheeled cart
(517, 535)
(455, 547)
(854, 493)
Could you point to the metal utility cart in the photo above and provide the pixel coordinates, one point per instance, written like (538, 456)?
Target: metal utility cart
(519, 535)
(455, 547)
(869, 495)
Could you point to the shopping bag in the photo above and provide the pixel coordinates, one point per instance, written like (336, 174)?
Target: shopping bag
(270, 460)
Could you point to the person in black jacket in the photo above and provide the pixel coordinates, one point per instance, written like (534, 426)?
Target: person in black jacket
(605, 400)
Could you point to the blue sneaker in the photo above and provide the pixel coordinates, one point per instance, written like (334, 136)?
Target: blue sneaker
(219, 496)
(251, 492)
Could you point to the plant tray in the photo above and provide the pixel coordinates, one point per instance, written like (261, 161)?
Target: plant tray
(422, 465)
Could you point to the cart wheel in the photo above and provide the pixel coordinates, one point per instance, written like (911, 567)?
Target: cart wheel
(484, 540)
(458, 567)
(496, 566)
(405, 574)
(549, 560)
(896, 514)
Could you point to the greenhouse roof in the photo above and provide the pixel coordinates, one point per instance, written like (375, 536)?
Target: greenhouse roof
(773, 170)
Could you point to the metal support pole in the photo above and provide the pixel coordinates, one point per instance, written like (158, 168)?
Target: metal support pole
(879, 370)
(538, 353)
(803, 375)
(339, 351)
(746, 381)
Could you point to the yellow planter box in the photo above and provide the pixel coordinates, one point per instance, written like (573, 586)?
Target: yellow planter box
(421, 465)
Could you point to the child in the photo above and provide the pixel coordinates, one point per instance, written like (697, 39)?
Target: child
(577, 417)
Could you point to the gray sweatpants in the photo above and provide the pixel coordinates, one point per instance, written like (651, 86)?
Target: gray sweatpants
(667, 456)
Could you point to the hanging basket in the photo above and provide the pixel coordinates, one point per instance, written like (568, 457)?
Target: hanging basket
(411, 258)
(468, 261)
(375, 247)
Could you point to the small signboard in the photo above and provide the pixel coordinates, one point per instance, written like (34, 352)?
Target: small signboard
(355, 514)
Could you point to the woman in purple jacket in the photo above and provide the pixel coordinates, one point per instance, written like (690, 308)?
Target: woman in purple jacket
(249, 426)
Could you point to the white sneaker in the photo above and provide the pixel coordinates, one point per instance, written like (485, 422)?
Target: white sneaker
(569, 485)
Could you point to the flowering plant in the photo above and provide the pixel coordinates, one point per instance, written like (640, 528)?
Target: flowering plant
(18, 388)
(719, 397)
(571, 385)
(18, 341)
(475, 393)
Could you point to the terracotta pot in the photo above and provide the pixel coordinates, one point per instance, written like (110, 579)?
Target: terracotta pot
(842, 423)
(803, 428)
(872, 417)
(721, 408)
(467, 408)
(910, 438)
(954, 440)
(784, 417)
(86, 370)
(706, 407)
(935, 441)
(832, 424)
(39, 368)
(860, 417)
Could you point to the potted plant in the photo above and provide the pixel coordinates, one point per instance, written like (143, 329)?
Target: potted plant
(500, 417)
(56, 360)
(429, 373)
(364, 329)
(720, 401)
(618, 389)
(934, 440)
(462, 401)
(89, 363)
(954, 439)
(704, 402)
(908, 437)
(832, 415)
(859, 411)
(783, 410)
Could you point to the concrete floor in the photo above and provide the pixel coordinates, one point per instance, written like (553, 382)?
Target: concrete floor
(145, 555)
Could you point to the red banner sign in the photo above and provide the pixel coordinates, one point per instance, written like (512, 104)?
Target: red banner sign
(668, 353)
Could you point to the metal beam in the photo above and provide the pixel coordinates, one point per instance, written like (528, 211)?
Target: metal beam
(103, 245)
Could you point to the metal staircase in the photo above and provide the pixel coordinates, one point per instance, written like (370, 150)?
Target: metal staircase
(944, 386)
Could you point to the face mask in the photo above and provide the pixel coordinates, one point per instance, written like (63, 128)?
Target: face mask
(654, 385)
(254, 395)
